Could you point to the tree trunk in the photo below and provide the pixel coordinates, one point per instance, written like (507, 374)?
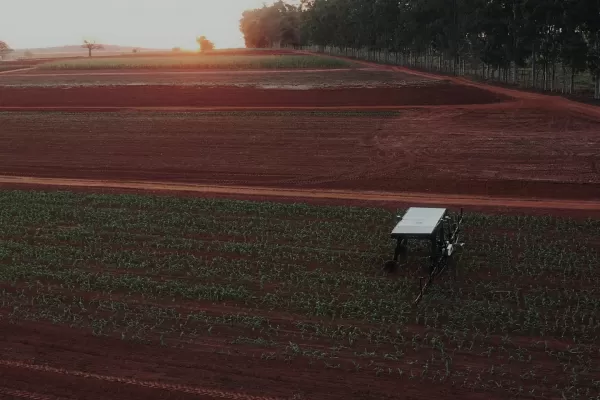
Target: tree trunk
(572, 82)
(431, 61)
(553, 77)
(533, 83)
(597, 86)
(89, 51)
(545, 85)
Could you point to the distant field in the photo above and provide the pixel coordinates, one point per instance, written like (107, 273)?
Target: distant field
(200, 62)
(271, 79)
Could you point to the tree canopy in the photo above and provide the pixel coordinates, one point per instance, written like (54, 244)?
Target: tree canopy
(4, 49)
(503, 34)
(205, 44)
(272, 26)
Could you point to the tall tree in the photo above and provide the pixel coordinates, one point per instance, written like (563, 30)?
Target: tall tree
(589, 15)
(205, 44)
(91, 45)
(272, 26)
(548, 37)
(4, 49)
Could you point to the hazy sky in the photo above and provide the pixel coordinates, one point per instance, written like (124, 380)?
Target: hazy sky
(144, 23)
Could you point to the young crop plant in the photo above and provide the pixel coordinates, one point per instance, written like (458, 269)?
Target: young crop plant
(299, 286)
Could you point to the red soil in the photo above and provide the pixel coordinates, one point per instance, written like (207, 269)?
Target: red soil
(514, 152)
(65, 363)
(164, 96)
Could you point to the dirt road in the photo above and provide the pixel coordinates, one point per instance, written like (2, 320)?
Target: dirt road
(414, 198)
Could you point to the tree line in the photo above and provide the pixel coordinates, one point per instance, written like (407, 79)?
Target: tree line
(548, 40)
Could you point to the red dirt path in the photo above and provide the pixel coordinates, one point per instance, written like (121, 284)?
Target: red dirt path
(389, 200)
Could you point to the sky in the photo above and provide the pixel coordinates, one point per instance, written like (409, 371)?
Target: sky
(141, 23)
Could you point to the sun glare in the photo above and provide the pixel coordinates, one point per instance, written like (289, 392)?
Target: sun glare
(143, 23)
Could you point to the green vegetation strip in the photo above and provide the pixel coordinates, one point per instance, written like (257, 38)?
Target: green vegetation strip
(153, 268)
(200, 62)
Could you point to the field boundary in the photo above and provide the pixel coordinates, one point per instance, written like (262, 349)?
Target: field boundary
(396, 197)
(543, 100)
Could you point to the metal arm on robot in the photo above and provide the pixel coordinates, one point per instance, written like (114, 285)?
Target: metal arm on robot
(448, 248)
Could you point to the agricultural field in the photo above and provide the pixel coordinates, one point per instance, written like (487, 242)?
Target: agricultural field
(276, 79)
(150, 297)
(176, 296)
(200, 62)
(164, 96)
(491, 151)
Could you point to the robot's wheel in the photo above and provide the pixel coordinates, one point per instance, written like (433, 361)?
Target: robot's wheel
(390, 266)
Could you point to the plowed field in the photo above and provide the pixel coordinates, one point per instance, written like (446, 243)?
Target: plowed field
(169, 96)
(490, 151)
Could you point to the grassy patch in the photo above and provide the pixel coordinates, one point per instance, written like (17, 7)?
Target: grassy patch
(201, 62)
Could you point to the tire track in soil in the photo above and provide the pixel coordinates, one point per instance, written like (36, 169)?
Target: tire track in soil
(129, 381)
(28, 395)
(12, 71)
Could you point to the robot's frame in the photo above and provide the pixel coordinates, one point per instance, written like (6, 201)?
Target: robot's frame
(437, 226)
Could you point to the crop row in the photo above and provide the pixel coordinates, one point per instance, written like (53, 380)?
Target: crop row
(423, 356)
(566, 313)
(23, 204)
(309, 280)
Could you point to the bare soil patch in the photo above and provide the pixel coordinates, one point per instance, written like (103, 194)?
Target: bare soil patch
(505, 152)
